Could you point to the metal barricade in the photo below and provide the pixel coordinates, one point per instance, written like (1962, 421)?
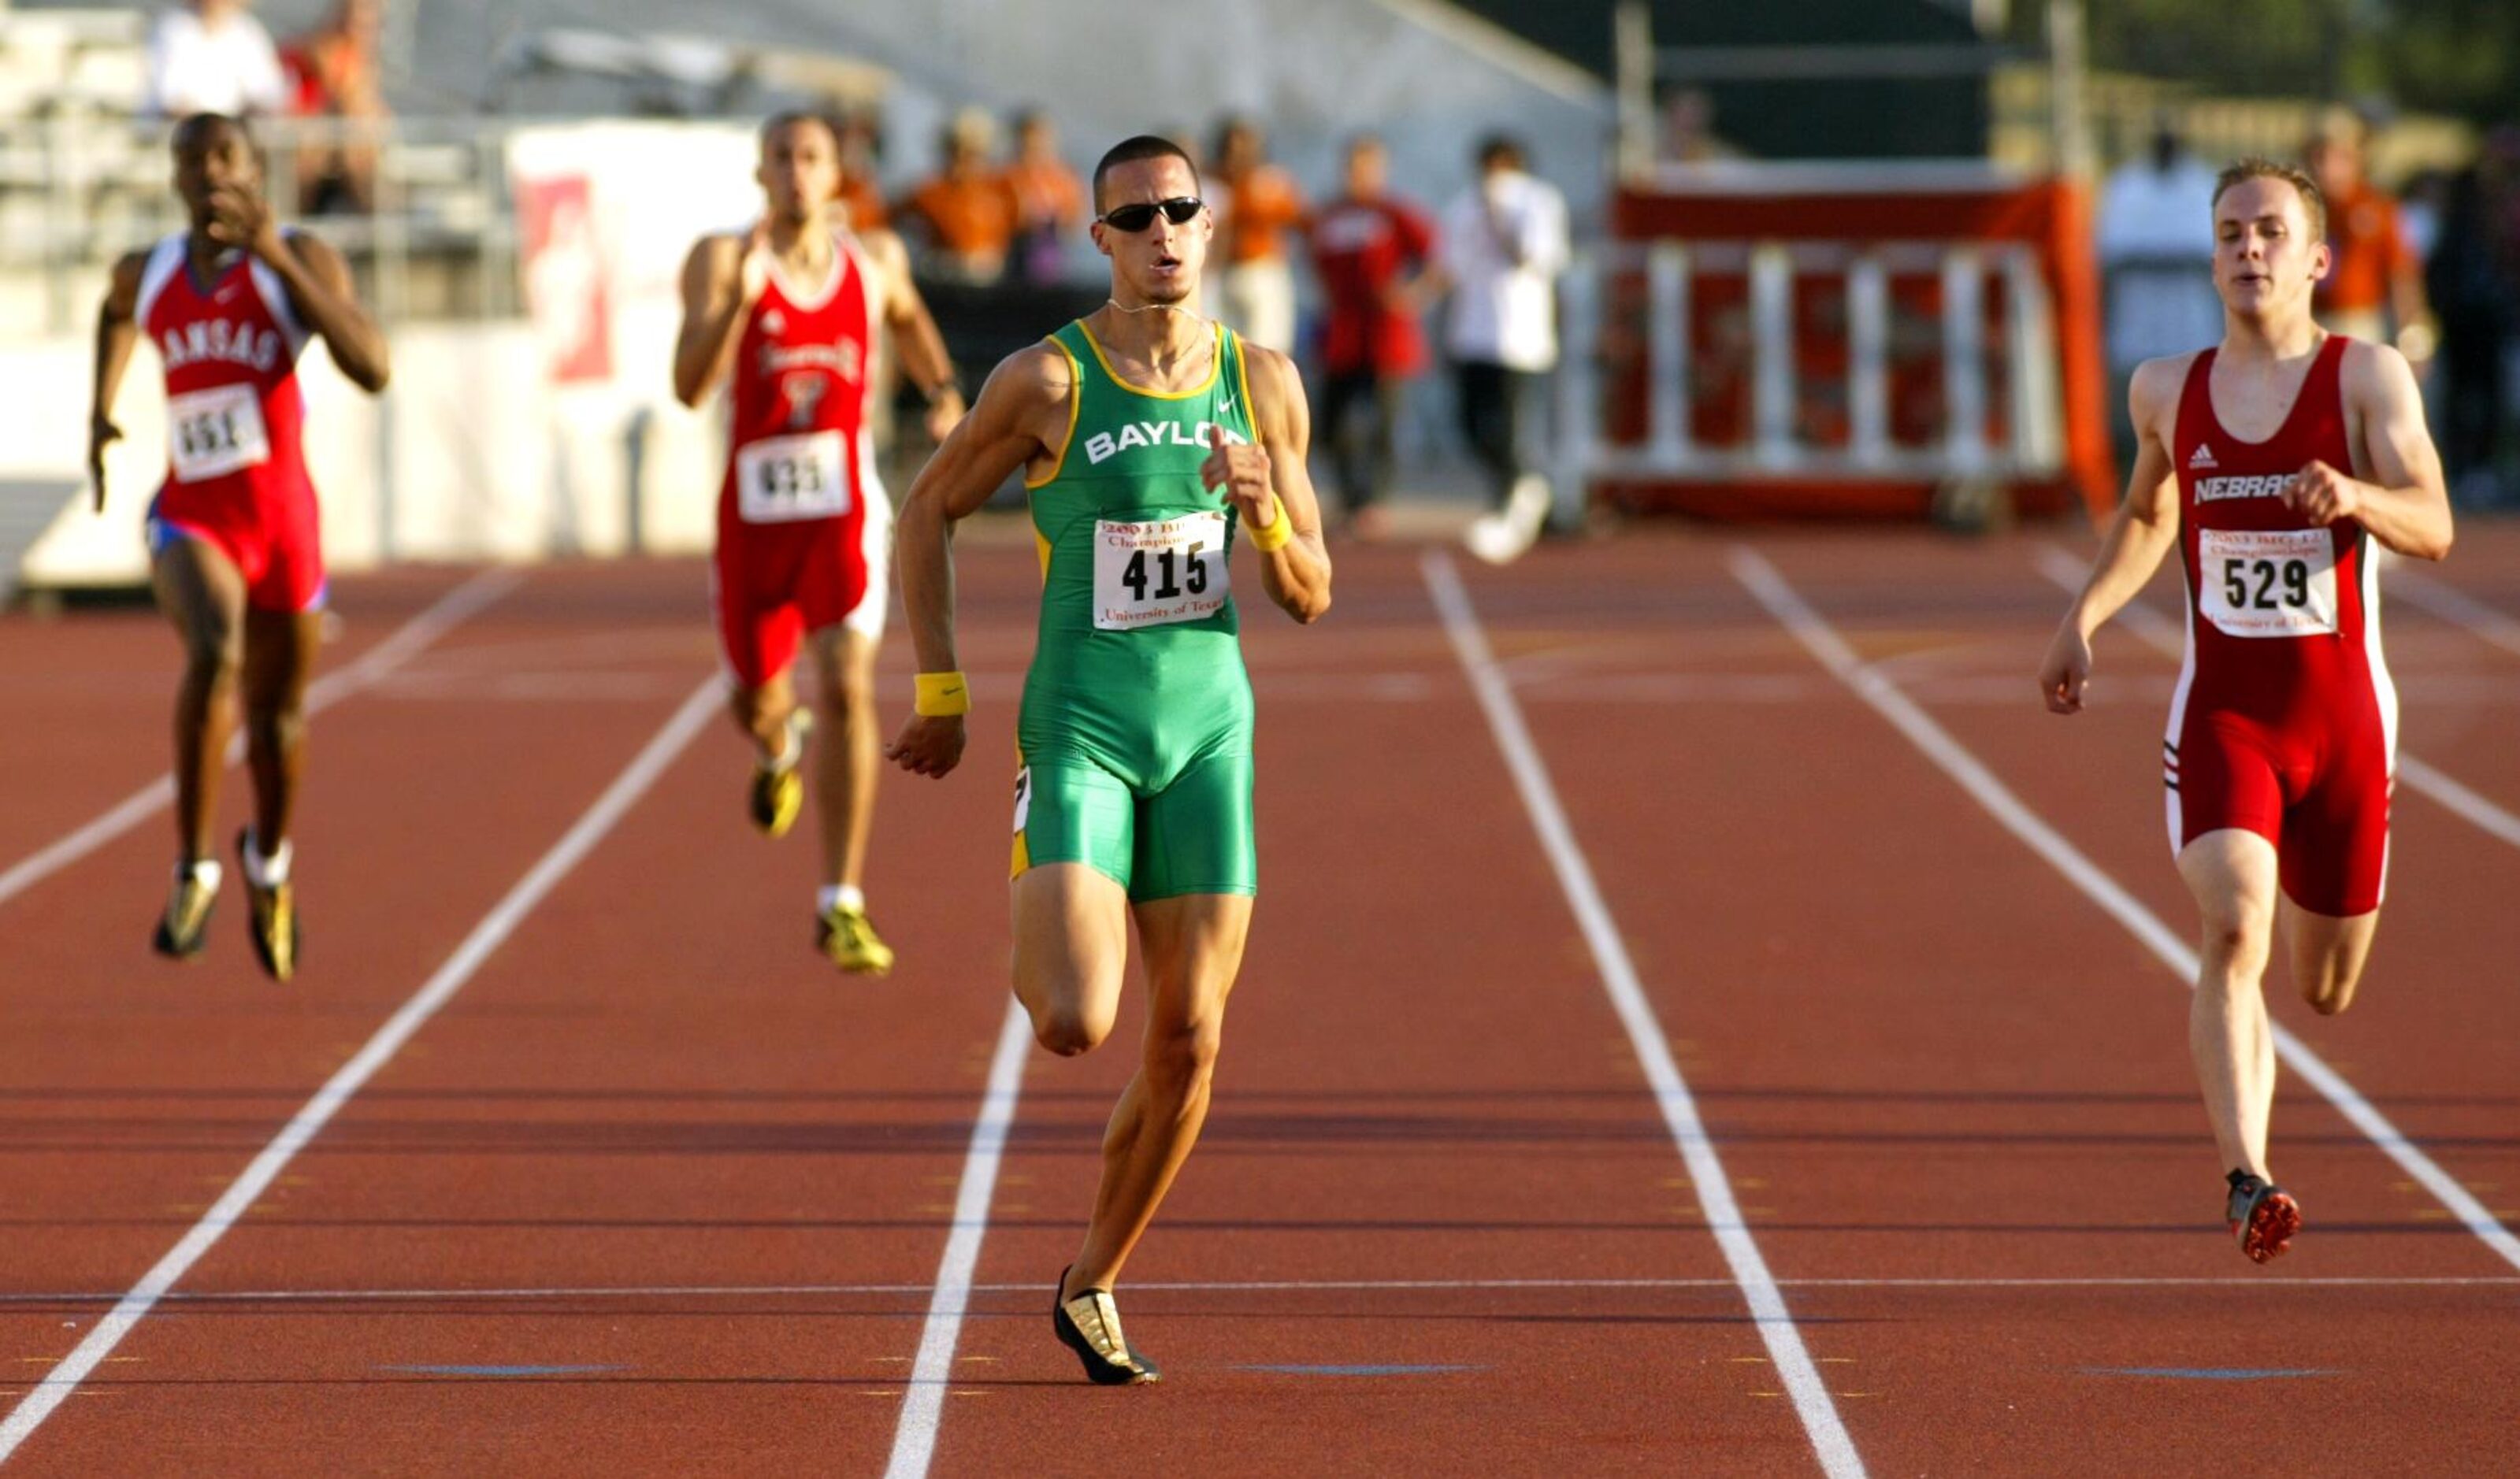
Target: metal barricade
(1661, 328)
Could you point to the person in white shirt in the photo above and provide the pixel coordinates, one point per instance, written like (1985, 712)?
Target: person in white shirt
(1504, 243)
(2160, 282)
(212, 57)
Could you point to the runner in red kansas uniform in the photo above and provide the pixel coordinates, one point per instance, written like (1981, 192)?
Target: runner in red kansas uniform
(232, 534)
(2273, 463)
(804, 532)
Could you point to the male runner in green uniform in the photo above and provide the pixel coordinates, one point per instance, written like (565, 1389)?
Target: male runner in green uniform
(1152, 440)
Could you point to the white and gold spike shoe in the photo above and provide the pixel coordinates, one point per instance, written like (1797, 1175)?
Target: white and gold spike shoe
(1090, 1326)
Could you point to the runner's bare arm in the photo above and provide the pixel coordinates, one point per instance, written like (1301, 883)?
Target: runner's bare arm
(923, 356)
(1270, 481)
(2403, 503)
(714, 299)
(2144, 529)
(1021, 418)
(316, 278)
(116, 331)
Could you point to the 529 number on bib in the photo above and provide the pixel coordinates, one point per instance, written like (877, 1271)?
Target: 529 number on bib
(1155, 574)
(2267, 582)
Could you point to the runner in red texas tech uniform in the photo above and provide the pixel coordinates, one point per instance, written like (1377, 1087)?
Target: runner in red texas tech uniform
(2274, 463)
(234, 549)
(789, 313)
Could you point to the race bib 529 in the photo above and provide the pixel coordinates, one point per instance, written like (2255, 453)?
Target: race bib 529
(2267, 582)
(782, 478)
(216, 431)
(1157, 573)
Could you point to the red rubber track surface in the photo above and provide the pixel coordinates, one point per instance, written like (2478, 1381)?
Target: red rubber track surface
(659, 1192)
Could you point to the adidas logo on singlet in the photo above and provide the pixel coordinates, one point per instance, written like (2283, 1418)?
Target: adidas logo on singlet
(774, 322)
(2203, 457)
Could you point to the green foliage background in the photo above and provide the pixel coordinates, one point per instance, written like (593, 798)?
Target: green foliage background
(2457, 57)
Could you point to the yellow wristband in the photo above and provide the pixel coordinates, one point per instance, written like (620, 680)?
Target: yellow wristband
(1274, 538)
(942, 695)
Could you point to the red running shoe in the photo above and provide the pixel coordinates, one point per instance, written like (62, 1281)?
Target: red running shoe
(2263, 1216)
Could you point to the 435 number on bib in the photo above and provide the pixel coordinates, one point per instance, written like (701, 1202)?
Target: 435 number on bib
(1159, 572)
(779, 479)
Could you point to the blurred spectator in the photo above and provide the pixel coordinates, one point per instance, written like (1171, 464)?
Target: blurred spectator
(2156, 244)
(1688, 130)
(966, 214)
(1370, 251)
(212, 57)
(1504, 245)
(333, 76)
(861, 136)
(1050, 200)
(2474, 279)
(1256, 203)
(2376, 285)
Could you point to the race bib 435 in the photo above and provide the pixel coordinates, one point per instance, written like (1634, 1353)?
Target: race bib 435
(1153, 573)
(2267, 582)
(782, 478)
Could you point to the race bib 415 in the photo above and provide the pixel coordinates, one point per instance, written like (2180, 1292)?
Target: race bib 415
(1162, 571)
(2267, 582)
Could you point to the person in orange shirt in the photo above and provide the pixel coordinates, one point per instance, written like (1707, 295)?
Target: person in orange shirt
(1050, 200)
(966, 214)
(2377, 281)
(861, 197)
(1255, 287)
(332, 72)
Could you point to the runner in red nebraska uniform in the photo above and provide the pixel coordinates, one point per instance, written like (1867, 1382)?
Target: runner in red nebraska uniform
(2273, 463)
(232, 534)
(791, 311)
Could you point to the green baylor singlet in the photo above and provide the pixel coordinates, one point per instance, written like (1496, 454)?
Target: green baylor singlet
(1135, 740)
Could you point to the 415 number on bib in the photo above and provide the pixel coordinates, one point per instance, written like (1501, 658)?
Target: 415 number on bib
(1159, 572)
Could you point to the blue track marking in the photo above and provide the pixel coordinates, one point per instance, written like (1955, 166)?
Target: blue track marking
(501, 1370)
(2211, 1373)
(1359, 1371)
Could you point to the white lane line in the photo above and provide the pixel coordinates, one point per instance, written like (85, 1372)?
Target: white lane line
(923, 1402)
(2163, 635)
(928, 1291)
(1824, 643)
(486, 937)
(406, 643)
(2439, 597)
(1831, 1443)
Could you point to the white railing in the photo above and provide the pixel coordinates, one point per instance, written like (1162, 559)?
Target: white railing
(2026, 441)
(76, 191)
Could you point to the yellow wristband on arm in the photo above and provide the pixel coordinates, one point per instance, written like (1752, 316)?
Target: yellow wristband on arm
(1280, 529)
(941, 694)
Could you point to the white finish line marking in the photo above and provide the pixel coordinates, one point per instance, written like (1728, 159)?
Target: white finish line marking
(1776, 1323)
(174, 1298)
(1955, 761)
(478, 947)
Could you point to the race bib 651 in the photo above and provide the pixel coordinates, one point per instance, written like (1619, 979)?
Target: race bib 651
(212, 432)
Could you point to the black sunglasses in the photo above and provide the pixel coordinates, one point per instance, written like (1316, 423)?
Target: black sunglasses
(1139, 216)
